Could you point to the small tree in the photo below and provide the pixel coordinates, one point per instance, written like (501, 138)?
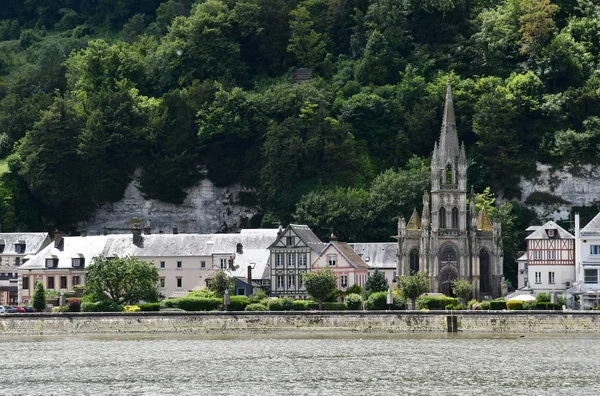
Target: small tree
(413, 286)
(39, 297)
(354, 289)
(320, 284)
(462, 289)
(375, 283)
(221, 282)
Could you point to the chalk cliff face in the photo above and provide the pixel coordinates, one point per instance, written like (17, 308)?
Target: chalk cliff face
(580, 188)
(207, 209)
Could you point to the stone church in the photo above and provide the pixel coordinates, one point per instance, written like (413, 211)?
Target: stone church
(450, 240)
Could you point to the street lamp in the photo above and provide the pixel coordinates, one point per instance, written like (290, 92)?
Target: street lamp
(226, 299)
(390, 299)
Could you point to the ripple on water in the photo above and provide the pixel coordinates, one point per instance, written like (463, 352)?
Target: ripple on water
(413, 365)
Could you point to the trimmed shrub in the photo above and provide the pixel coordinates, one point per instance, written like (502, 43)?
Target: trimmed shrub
(353, 302)
(548, 306)
(542, 297)
(255, 308)
(484, 305)
(456, 307)
(202, 293)
(300, 305)
(514, 305)
(146, 307)
(529, 304)
(74, 304)
(131, 308)
(194, 303)
(471, 303)
(378, 301)
(62, 308)
(498, 304)
(275, 305)
(238, 303)
(435, 302)
(258, 296)
(100, 306)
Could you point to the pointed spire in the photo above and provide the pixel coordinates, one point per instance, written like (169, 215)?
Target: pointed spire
(414, 223)
(449, 147)
(483, 221)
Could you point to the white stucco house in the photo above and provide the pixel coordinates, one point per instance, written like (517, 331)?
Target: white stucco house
(587, 285)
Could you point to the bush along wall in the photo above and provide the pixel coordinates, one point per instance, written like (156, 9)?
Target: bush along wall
(435, 302)
(498, 304)
(194, 303)
(238, 303)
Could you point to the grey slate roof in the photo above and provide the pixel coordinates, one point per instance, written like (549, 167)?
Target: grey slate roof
(188, 244)
(377, 255)
(257, 258)
(73, 246)
(540, 233)
(34, 241)
(305, 233)
(593, 225)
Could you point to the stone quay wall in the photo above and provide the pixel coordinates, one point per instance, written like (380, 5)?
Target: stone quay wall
(299, 322)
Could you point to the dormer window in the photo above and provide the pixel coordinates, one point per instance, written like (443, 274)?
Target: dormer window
(551, 232)
(289, 241)
(20, 247)
(52, 262)
(78, 262)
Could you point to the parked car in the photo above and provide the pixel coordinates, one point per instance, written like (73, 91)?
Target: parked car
(2, 309)
(29, 309)
(21, 309)
(10, 309)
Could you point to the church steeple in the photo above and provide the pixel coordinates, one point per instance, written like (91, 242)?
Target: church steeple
(449, 147)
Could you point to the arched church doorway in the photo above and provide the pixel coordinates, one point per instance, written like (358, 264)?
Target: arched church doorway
(448, 269)
(447, 278)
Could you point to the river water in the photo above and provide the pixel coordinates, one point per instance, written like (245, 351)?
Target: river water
(445, 364)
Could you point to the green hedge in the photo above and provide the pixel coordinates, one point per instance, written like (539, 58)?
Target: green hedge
(378, 302)
(238, 303)
(334, 306)
(548, 306)
(498, 304)
(256, 307)
(149, 306)
(194, 303)
(435, 302)
(101, 306)
(514, 305)
(300, 305)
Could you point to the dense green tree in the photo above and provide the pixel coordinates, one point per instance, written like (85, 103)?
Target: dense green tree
(412, 286)
(221, 282)
(320, 284)
(463, 289)
(375, 283)
(307, 46)
(39, 297)
(124, 281)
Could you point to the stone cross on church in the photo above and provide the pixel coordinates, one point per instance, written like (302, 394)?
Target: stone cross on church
(450, 240)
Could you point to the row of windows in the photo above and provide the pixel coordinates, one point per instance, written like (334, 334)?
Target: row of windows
(178, 282)
(51, 282)
(551, 255)
(538, 277)
(19, 248)
(280, 259)
(292, 282)
(179, 265)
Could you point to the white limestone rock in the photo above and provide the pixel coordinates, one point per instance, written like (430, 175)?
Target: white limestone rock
(206, 209)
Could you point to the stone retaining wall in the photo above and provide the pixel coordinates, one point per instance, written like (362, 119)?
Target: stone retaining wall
(299, 322)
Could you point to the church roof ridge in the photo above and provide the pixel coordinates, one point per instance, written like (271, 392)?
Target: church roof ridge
(483, 221)
(414, 223)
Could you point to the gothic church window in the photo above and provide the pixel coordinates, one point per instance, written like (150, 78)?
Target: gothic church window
(449, 175)
(484, 272)
(442, 218)
(414, 261)
(454, 217)
(449, 254)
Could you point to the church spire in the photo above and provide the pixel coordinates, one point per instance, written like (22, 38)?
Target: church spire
(449, 147)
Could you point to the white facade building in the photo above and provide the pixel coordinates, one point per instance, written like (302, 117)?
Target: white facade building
(588, 263)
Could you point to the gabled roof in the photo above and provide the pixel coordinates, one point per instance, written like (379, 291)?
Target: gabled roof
(305, 234)
(349, 254)
(483, 221)
(414, 224)
(34, 241)
(72, 247)
(593, 225)
(377, 255)
(257, 258)
(541, 233)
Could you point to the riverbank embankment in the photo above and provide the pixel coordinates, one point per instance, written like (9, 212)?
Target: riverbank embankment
(307, 322)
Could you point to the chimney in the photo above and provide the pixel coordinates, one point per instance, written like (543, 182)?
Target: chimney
(250, 275)
(175, 230)
(105, 232)
(239, 248)
(137, 234)
(333, 237)
(57, 237)
(147, 229)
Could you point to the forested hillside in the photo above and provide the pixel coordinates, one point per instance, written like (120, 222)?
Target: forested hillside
(92, 90)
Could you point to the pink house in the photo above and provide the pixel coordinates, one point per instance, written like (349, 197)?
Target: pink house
(347, 265)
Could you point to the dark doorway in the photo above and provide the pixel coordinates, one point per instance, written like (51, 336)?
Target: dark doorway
(485, 276)
(414, 261)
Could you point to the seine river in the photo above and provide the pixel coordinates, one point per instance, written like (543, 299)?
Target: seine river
(287, 365)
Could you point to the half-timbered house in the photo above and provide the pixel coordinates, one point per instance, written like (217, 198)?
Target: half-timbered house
(550, 259)
(291, 255)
